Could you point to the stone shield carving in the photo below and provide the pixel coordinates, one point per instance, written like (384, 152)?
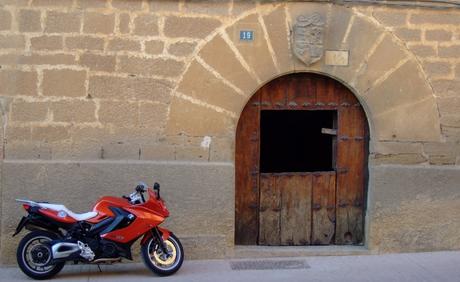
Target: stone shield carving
(307, 38)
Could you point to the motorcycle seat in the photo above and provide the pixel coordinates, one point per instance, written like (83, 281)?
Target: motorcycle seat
(62, 208)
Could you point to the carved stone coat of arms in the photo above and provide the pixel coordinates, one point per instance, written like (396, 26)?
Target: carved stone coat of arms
(307, 38)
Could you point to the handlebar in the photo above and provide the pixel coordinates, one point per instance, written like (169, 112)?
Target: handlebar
(141, 188)
(156, 187)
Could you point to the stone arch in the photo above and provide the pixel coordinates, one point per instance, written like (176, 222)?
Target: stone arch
(382, 73)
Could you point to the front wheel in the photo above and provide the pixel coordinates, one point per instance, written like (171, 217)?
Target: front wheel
(159, 262)
(34, 255)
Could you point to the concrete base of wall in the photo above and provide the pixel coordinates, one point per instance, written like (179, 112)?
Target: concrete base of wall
(413, 208)
(410, 208)
(198, 195)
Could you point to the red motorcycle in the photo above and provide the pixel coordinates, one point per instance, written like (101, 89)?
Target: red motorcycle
(104, 235)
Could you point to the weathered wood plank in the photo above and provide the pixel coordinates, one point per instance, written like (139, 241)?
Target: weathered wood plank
(350, 192)
(346, 97)
(323, 208)
(325, 92)
(351, 174)
(273, 95)
(301, 91)
(247, 174)
(295, 208)
(270, 207)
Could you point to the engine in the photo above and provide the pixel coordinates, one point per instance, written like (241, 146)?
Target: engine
(83, 243)
(109, 249)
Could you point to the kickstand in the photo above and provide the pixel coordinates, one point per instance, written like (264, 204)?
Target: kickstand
(98, 266)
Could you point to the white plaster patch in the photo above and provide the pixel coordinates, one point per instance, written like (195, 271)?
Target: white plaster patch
(206, 142)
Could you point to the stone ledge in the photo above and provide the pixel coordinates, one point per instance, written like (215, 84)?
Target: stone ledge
(296, 251)
(443, 167)
(14, 161)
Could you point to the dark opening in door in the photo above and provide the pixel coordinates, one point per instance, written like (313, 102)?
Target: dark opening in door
(294, 141)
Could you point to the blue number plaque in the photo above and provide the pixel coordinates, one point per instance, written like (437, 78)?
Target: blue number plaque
(246, 35)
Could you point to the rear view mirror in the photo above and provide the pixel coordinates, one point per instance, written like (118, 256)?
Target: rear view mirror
(156, 188)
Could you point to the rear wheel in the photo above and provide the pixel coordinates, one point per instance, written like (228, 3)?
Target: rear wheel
(163, 263)
(34, 255)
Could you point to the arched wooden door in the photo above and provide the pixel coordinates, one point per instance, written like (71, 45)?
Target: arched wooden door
(301, 164)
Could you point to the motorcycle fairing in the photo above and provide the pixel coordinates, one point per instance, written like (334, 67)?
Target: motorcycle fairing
(147, 216)
(145, 220)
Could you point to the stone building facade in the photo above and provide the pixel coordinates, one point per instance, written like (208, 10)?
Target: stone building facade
(96, 95)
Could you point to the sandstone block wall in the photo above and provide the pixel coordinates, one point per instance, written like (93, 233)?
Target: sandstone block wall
(107, 82)
(112, 72)
(80, 80)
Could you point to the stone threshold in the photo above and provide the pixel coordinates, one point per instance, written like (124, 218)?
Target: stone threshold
(241, 252)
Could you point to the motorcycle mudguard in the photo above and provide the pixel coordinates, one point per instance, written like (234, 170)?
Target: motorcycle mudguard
(164, 233)
(22, 223)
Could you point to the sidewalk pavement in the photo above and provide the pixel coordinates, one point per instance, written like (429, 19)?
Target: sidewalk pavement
(420, 267)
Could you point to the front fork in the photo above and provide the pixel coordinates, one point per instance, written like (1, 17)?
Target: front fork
(161, 243)
(158, 234)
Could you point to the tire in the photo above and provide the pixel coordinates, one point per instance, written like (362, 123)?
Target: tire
(29, 261)
(154, 258)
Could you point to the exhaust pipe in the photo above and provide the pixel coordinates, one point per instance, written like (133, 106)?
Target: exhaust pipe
(64, 250)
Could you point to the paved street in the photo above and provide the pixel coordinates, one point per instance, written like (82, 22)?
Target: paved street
(438, 266)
